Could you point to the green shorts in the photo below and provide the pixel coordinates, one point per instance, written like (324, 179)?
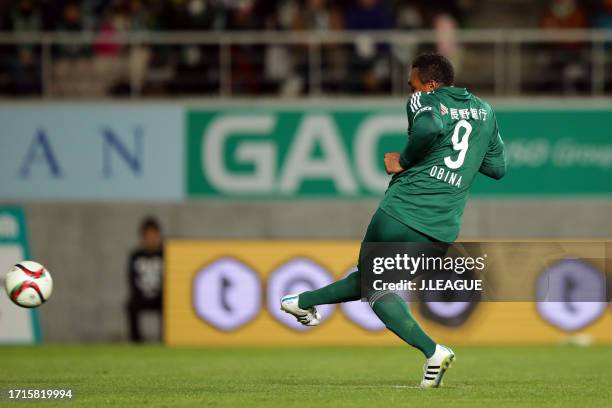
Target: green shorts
(385, 228)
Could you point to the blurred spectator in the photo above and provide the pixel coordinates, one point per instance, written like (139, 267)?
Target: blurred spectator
(247, 59)
(603, 18)
(445, 26)
(191, 15)
(318, 15)
(145, 270)
(121, 69)
(369, 60)
(197, 66)
(72, 62)
(25, 65)
(567, 59)
(365, 66)
(138, 19)
(409, 16)
(138, 16)
(369, 15)
(71, 21)
(449, 8)
(566, 14)
(112, 23)
(279, 62)
(25, 17)
(110, 62)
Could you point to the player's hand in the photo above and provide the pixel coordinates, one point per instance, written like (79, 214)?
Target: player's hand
(392, 163)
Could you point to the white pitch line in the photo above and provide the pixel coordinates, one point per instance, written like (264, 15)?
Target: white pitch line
(357, 386)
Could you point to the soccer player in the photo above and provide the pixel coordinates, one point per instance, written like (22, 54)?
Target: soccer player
(452, 136)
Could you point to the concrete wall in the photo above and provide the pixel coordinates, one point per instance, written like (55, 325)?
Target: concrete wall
(85, 245)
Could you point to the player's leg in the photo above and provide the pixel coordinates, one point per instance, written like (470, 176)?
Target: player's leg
(349, 288)
(389, 306)
(302, 305)
(394, 312)
(382, 228)
(344, 290)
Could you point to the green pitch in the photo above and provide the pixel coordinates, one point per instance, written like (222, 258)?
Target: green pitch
(309, 377)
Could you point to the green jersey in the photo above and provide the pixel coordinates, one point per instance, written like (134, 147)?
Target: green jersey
(452, 136)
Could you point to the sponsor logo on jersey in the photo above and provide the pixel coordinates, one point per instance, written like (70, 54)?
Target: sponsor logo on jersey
(443, 109)
(415, 102)
(423, 109)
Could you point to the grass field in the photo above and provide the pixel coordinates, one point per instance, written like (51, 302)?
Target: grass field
(313, 377)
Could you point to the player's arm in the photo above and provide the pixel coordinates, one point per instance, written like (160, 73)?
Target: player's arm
(426, 125)
(494, 163)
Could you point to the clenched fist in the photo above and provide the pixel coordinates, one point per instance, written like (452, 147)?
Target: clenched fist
(392, 163)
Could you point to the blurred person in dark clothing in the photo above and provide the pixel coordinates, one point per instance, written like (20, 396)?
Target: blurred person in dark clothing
(140, 18)
(369, 60)
(71, 21)
(323, 15)
(192, 15)
(24, 64)
(567, 60)
(603, 18)
(565, 14)
(145, 270)
(197, 65)
(369, 15)
(72, 68)
(247, 59)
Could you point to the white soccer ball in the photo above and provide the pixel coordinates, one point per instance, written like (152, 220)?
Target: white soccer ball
(28, 284)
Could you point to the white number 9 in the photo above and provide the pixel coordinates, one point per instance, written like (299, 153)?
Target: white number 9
(462, 145)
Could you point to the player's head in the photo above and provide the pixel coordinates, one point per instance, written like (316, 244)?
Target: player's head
(431, 71)
(150, 234)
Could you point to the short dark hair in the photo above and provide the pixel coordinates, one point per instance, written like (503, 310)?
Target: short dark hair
(434, 67)
(149, 223)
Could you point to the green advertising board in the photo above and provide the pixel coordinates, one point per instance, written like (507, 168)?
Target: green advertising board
(331, 153)
(17, 325)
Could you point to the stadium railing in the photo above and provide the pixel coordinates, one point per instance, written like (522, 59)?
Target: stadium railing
(500, 62)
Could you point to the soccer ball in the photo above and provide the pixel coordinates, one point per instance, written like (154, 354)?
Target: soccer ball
(28, 284)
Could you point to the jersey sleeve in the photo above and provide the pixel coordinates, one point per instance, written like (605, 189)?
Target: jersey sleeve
(425, 124)
(494, 162)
